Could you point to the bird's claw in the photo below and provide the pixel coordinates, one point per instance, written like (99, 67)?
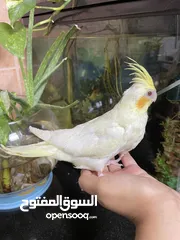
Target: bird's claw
(113, 162)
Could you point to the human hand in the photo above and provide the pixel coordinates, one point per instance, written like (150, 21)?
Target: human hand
(130, 191)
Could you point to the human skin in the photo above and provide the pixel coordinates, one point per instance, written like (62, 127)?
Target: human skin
(152, 206)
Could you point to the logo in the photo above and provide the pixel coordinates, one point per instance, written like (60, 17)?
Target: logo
(64, 204)
(53, 216)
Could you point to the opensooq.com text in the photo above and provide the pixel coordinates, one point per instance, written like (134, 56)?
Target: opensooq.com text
(54, 216)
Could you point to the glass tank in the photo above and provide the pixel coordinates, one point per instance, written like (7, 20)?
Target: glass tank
(18, 173)
(95, 74)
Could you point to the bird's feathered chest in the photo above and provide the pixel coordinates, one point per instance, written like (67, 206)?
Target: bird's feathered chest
(133, 124)
(135, 131)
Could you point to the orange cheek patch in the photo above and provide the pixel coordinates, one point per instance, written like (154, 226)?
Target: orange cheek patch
(142, 102)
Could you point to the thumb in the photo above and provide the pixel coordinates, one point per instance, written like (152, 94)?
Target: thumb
(88, 182)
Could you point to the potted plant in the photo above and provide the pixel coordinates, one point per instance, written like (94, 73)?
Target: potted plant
(28, 178)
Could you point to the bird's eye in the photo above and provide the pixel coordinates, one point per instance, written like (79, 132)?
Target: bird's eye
(149, 93)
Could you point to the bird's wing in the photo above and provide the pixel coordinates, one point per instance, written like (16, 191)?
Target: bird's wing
(97, 143)
(95, 139)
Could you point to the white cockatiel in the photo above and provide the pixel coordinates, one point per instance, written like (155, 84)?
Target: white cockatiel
(93, 145)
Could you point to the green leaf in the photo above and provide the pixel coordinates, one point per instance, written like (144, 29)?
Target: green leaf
(41, 85)
(47, 59)
(61, 48)
(4, 130)
(17, 9)
(14, 40)
(1, 112)
(44, 105)
(5, 101)
(29, 84)
(19, 100)
(50, 61)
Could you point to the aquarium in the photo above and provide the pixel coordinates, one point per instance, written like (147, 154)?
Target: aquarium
(95, 74)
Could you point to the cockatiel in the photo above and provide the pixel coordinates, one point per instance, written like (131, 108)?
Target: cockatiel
(93, 145)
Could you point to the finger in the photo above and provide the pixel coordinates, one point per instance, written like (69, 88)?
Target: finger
(127, 160)
(88, 182)
(106, 169)
(114, 168)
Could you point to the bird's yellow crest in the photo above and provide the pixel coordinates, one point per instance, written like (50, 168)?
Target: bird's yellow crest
(141, 75)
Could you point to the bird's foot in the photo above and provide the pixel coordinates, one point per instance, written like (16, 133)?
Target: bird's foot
(122, 155)
(113, 162)
(116, 161)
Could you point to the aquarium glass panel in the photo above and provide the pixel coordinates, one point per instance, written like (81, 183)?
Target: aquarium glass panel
(96, 75)
(95, 72)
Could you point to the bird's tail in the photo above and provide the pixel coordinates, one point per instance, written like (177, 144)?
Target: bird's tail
(41, 149)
